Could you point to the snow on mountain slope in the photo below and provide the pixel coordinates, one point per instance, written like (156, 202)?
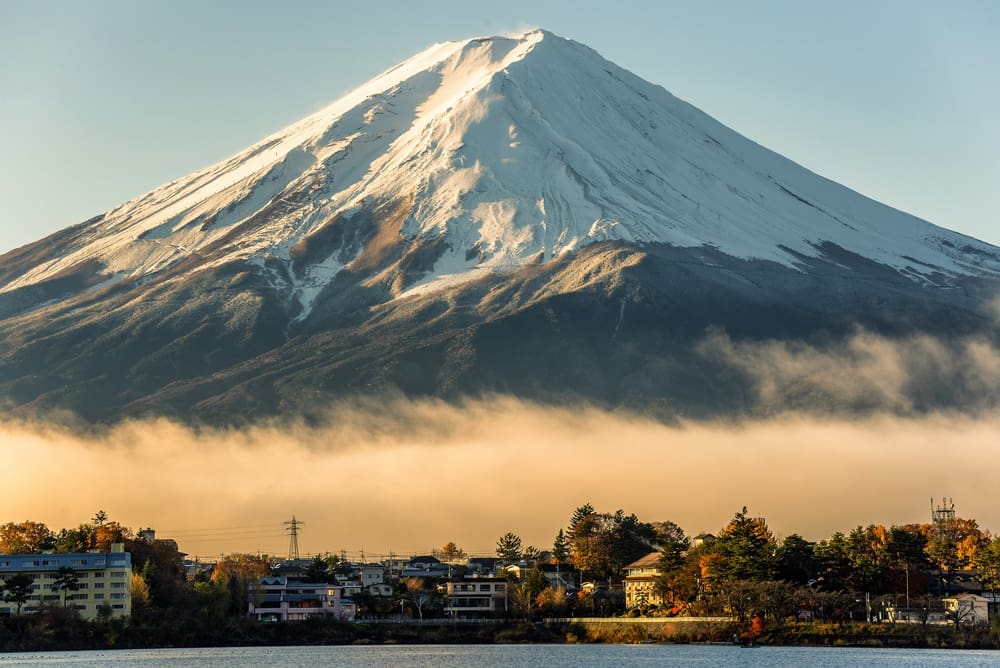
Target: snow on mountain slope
(516, 150)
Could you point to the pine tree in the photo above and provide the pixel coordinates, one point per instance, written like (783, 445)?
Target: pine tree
(560, 548)
(509, 549)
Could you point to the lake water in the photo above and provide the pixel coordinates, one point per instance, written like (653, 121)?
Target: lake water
(505, 656)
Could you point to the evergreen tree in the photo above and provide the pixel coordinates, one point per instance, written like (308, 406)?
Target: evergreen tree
(317, 570)
(19, 588)
(560, 548)
(66, 580)
(673, 545)
(745, 550)
(796, 563)
(509, 549)
(576, 520)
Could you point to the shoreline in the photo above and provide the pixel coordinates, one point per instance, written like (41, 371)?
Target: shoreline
(33, 635)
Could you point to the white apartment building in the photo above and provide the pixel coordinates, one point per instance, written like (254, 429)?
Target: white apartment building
(475, 596)
(278, 599)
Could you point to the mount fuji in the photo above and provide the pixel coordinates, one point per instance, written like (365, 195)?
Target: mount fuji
(496, 215)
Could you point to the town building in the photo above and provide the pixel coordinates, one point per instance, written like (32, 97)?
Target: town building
(104, 580)
(968, 609)
(277, 598)
(371, 575)
(381, 590)
(475, 597)
(640, 582)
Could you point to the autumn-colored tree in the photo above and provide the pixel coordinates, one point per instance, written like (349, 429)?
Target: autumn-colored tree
(25, 537)
(420, 595)
(683, 588)
(452, 552)
(163, 566)
(140, 595)
(212, 599)
(552, 601)
(108, 533)
(81, 539)
(988, 565)
(953, 544)
(237, 572)
(604, 543)
(521, 600)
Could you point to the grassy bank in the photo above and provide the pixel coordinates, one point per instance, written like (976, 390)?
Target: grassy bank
(54, 631)
(792, 633)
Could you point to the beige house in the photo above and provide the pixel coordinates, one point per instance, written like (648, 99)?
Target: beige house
(970, 609)
(640, 582)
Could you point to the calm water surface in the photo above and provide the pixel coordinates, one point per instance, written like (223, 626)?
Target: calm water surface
(505, 656)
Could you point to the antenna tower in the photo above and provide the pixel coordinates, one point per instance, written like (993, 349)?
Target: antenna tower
(943, 512)
(293, 537)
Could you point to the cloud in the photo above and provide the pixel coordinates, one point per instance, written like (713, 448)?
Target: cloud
(866, 373)
(408, 476)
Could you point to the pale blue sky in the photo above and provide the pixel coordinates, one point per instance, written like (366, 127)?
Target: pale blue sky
(103, 100)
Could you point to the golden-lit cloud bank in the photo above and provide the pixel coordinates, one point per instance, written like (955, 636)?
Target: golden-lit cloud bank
(407, 476)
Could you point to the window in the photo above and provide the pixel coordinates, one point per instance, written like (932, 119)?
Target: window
(117, 597)
(117, 585)
(117, 606)
(98, 574)
(98, 585)
(98, 597)
(117, 574)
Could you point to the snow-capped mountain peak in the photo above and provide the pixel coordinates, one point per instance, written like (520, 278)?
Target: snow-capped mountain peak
(504, 151)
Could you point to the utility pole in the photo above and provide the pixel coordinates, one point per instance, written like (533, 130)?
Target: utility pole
(293, 540)
(907, 592)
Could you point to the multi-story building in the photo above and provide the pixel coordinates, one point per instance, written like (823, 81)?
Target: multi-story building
(280, 599)
(103, 579)
(640, 582)
(371, 575)
(475, 597)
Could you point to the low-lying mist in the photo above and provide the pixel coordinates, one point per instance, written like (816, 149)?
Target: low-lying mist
(409, 476)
